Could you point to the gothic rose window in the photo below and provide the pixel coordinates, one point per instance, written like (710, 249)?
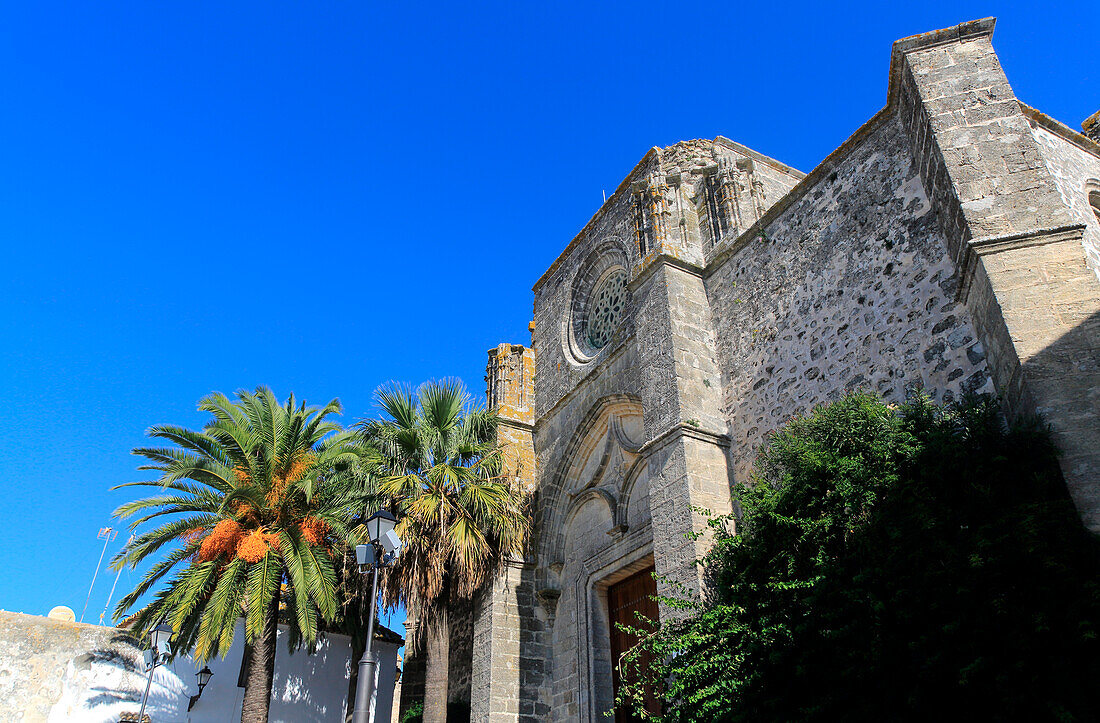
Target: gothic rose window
(606, 308)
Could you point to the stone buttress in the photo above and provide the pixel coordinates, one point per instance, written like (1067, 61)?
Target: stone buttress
(505, 623)
(1019, 248)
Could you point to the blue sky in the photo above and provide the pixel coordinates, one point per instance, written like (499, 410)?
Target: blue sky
(322, 197)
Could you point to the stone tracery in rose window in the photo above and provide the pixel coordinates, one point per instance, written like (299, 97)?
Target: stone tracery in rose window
(605, 309)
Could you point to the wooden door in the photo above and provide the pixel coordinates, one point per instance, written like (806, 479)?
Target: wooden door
(626, 599)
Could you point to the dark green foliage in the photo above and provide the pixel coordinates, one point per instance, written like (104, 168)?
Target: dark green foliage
(894, 564)
(414, 714)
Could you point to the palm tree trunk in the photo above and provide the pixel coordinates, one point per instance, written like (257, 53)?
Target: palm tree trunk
(437, 676)
(261, 668)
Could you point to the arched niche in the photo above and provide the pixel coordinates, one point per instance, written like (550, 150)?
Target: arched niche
(603, 457)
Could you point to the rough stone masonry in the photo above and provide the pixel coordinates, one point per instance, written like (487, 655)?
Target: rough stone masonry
(952, 244)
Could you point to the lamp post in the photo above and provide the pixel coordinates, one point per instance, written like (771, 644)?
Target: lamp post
(381, 549)
(204, 677)
(159, 637)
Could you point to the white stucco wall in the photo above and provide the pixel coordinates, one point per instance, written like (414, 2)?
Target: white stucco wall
(57, 671)
(306, 687)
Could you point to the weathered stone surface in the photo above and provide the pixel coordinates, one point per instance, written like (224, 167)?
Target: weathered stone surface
(36, 654)
(1091, 127)
(1075, 167)
(850, 287)
(1018, 234)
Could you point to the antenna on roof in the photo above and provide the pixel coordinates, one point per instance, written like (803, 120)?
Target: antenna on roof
(106, 534)
(605, 196)
(112, 593)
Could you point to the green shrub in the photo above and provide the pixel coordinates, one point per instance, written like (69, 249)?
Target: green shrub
(414, 713)
(891, 564)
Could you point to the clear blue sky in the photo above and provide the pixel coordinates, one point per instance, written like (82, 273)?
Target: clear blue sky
(324, 196)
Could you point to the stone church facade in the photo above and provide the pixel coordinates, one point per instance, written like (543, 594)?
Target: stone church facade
(951, 244)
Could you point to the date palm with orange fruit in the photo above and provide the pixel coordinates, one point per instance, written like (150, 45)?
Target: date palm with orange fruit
(256, 511)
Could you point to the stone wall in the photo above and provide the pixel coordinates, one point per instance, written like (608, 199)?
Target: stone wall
(505, 660)
(850, 287)
(1075, 168)
(508, 661)
(413, 675)
(40, 657)
(510, 389)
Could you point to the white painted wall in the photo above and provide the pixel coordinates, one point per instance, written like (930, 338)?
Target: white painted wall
(97, 688)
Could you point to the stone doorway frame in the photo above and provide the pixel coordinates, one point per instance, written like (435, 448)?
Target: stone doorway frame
(593, 616)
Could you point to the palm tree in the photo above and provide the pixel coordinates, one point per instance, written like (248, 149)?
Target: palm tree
(460, 518)
(255, 512)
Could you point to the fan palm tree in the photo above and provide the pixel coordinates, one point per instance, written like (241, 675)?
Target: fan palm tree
(459, 517)
(255, 511)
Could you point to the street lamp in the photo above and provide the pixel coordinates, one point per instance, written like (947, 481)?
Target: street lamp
(379, 524)
(204, 677)
(381, 550)
(160, 639)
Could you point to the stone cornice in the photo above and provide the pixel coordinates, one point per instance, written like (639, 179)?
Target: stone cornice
(678, 431)
(962, 32)
(1058, 128)
(757, 156)
(663, 260)
(985, 246)
(516, 424)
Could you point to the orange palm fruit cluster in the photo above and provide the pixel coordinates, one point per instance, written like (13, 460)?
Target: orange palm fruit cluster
(193, 534)
(224, 538)
(313, 530)
(253, 548)
(299, 466)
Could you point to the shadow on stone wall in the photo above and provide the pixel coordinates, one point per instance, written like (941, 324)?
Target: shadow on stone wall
(1062, 384)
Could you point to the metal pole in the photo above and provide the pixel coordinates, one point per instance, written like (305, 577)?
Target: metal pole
(112, 593)
(148, 685)
(364, 690)
(106, 534)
